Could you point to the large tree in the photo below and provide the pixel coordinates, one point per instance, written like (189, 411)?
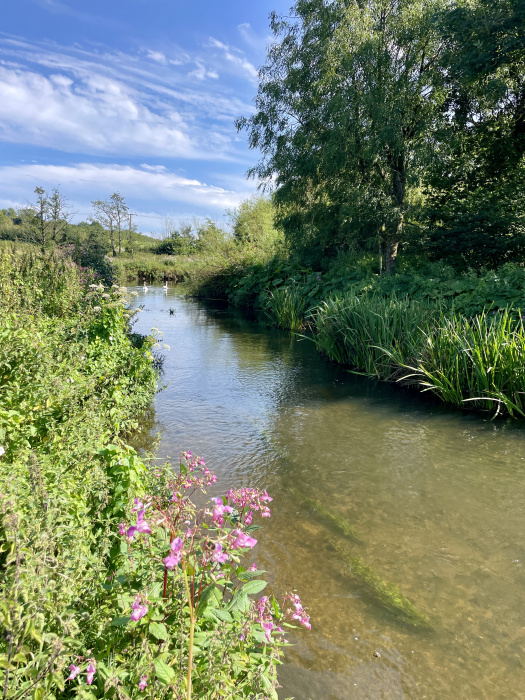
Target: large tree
(346, 102)
(476, 180)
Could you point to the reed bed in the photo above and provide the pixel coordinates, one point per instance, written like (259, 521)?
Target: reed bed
(286, 307)
(474, 363)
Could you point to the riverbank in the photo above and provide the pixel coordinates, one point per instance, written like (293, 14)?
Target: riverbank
(86, 524)
(457, 335)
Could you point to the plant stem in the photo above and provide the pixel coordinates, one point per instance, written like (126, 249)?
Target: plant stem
(192, 631)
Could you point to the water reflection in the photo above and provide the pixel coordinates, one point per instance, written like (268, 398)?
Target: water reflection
(434, 497)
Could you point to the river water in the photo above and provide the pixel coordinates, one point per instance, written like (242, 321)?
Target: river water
(374, 487)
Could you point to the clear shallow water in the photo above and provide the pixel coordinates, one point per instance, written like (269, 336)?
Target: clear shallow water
(435, 499)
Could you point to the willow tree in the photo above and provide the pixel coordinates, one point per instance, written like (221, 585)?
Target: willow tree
(345, 107)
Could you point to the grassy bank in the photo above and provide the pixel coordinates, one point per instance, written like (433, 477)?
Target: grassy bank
(103, 593)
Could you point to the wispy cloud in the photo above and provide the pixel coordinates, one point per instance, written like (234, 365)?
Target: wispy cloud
(112, 103)
(237, 58)
(83, 182)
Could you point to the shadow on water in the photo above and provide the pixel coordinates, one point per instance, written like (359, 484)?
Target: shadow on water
(399, 520)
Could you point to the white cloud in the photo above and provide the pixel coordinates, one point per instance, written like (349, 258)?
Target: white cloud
(117, 104)
(256, 42)
(157, 56)
(236, 57)
(84, 182)
(93, 115)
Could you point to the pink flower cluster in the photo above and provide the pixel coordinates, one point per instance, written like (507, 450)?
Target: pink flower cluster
(219, 510)
(173, 559)
(141, 527)
(265, 619)
(252, 499)
(139, 607)
(298, 612)
(90, 672)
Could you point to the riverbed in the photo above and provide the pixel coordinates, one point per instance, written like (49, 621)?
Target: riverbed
(374, 487)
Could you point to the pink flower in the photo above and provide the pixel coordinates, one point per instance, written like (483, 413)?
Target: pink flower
(138, 505)
(219, 556)
(138, 610)
(122, 529)
(267, 626)
(90, 672)
(75, 670)
(265, 497)
(143, 682)
(173, 559)
(253, 567)
(242, 540)
(218, 512)
(249, 518)
(141, 526)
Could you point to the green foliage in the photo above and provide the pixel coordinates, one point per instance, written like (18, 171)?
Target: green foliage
(472, 363)
(253, 225)
(72, 380)
(286, 307)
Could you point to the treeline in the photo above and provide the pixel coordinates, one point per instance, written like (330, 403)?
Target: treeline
(389, 126)
(47, 222)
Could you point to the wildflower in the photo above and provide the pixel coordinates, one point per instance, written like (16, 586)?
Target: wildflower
(138, 610)
(243, 540)
(141, 526)
(265, 497)
(2, 451)
(218, 512)
(267, 626)
(253, 567)
(138, 505)
(143, 682)
(75, 670)
(122, 528)
(249, 518)
(218, 555)
(90, 672)
(96, 308)
(171, 561)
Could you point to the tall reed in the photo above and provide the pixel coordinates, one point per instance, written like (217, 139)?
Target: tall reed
(372, 334)
(478, 362)
(474, 363)
(286, 307)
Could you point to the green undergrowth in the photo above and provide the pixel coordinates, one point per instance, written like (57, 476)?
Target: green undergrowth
(85, 607)
(473, 362)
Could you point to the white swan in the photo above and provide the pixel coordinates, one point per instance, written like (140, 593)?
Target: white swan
(166, 285)
(144, 287)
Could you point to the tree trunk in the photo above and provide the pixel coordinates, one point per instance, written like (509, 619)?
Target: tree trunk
(112, 240)
(397, 165)
(390, 257)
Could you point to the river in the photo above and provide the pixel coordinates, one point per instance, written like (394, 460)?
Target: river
(372, 485)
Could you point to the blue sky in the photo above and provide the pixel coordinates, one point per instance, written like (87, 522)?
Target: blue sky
(135, 96)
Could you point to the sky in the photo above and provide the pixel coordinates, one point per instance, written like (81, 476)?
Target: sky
(131, 96)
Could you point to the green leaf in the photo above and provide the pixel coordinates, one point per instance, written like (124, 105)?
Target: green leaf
(205, 597)
(253, 587)
(165, 673)
(121, 621)
(159, 631)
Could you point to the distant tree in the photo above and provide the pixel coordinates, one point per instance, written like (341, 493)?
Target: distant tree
(253, 223)
(47, 220)
(112, 213)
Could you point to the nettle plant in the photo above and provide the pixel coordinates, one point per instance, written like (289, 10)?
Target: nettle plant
(185, 620)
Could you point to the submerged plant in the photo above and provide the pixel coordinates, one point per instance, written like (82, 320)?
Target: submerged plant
(386, 593)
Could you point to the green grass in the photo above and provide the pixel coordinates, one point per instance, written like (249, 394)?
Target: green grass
(286, 307)
(367, 332)
(476, 363)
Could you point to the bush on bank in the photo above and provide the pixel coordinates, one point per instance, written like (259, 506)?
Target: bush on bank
(90, 608)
